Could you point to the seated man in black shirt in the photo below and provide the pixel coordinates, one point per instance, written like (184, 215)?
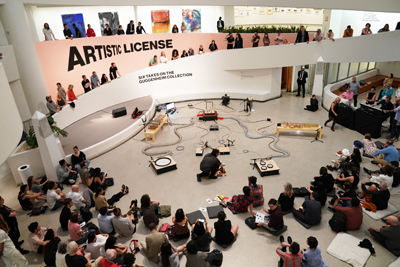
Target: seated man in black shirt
(72, 259)
(326, 178)
(348, 192)
(313, 104)
(310, 213)
(380, 194)
(210, 165)
(386, 104)
(320, 189)
(66, 213)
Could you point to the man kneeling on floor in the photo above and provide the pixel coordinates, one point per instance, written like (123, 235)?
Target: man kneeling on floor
(388, 235)
(210, 165)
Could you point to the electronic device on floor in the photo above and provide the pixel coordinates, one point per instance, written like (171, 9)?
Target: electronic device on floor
(209, 114)
(265, 167)
(170, 107)
(224, 150)
(163, 164)
(214, 127)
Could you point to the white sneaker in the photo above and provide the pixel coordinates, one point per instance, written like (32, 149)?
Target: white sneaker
(333, 161)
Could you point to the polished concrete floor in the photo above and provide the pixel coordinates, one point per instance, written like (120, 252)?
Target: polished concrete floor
(180, 189)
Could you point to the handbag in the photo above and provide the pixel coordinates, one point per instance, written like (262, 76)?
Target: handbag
(215, 257)
(251, 222)
(109, 182)
(36, 211)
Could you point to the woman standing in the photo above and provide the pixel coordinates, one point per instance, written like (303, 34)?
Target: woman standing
(286, 198)
(71, 94)
(10, 255)
(333, 113)
(183, 28)
(238, 41)
(90, 32)
(114, 71)
(175, 54)
(266, 40)
(175, 29)
(107, 31)
(48, 33)
(366, 30)
(60, 101)
(213, 46)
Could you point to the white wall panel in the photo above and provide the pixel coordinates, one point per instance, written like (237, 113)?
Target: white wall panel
(9, 63)
(20, 100)
(389, 67)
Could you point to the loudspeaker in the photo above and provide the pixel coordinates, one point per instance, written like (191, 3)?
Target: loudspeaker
(119, 112)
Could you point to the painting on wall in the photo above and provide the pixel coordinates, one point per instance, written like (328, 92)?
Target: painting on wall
(254, 10)
(241, 13)
(110, 18)
(288, 10)
(247, 13)
(269, 11)
(295, 11)
(160, 21)
(236, 13)
(308, 10)
(248, 8)
(241, 7)
(277, 9)
(76, 19)
(261, 11)
(192, 19)
(317, 12)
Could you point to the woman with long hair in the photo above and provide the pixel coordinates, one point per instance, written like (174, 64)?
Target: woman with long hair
(71, 94)
(101, 201)
(175, 29)
(388, 79)
(201, 235)
(384, 29)
(121, 249)
(184, 54)
(50, 250)
(48, 33)
(97, 179)
(333, 113)
(169, 256)
(224, 231)
(37, 187)
(286, 198)
(354, 158)
(241, 203)
(352, 177)
(26, 199)
(10, 255)
(266, 40)
(366, 30)
(175, 54)
(163, 57)
(104, 79)
(238, 41)
(76, 232)
(369, 146)
(180, 222)
(213, 46)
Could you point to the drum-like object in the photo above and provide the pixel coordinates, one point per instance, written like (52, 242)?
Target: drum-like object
(162, 162)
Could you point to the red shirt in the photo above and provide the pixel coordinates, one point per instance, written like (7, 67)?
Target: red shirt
(90, 33)
(106, 263)
(289, 259)
(71, 96)
(354, 215)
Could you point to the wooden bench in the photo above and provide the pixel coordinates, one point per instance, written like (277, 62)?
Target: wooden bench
(153, 132)
(307, 127)
(372, 81)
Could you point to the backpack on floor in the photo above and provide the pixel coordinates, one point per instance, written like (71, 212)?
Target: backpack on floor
(167, 229)
(251, 222)
(338, 222)
(86, 214)
(215, 257)
(300, 192)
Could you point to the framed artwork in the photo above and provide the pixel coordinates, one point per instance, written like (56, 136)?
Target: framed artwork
(254, 10)
(301, 10)
(308, 10)
(241, 7)
(295, 11)
(317, 12)
(282, 10)
(247, 13)
(160, 21)
(288, 10)
(241, 13)
(236, 13)
(192, 19)
(248, 8)
(270, 11)
(110, 18)
(277, 9)
(77, 20)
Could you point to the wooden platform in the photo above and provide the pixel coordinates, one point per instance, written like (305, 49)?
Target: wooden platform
(307, 127)
(372, 81)
(162, 169)
(268, 171)
(153, 132)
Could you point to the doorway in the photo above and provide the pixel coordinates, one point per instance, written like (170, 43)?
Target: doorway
(286, 83)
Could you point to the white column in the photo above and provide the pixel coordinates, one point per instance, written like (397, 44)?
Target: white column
(229, 16)
(20, 36)
(319, 79)
(48, 147)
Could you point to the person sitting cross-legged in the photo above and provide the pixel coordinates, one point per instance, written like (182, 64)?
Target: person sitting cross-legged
(388, 235)
(312, 255)
(54, 196)
(153, 243)
(376, 196)
(225, 232)
(241, 203)
(386, 177)
(105, 221)
(292, 258)
(275, 216)
(76, 232)
(256, 190)
(310, 213)
(386, 155)
(201, 235)
(194, 257)
(65, 173)
(181, 222)
(120, 249)
(124, 225)
(95, 244)
(353, 213)
(37, 238)
(286, 198)
(66, 213)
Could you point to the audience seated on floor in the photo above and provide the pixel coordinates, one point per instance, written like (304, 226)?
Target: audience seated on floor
(96, 179)
(348, 192)
(275, 216)
(153, 243)
(84, 172)
(256, 190)
(26, 199)
(37, 238)
(76, 232)
(321, 191)
(66, 213)
(354, 158)
(65, 173)
(77, 198)
(396, 172)
(73, 259)
(369, 146)
(120, 249)
(78, 157)
(38, 186)
(101, 201)
(312, 255)
(105, 221)
(225, 232)
(351, 177)
(169, 256)
(291, 258)
(61, 252)
(388, 235)
(109, 259)
(310, 211)
(241, 203)
(149, 210)
(201, 235)
(95, 244)
(194, 257)
(181, 223)
(50, 250)
(286, 198)
(386, 177)
(353, 213)
(54, 196)
(124, 226)
(386, 155)
(326, 178)
(376, 196)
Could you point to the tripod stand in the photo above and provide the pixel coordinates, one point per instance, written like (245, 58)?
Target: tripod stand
(316, 136)
(244, 106)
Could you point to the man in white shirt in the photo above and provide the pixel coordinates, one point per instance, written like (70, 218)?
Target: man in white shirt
(386, 177)
(279, 38)
(105, 221)
(318, 36)
(54, 196)
(95, 244)
(77, 198)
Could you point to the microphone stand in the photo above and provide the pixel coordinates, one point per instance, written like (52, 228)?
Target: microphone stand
(244, 106)
(316, 136)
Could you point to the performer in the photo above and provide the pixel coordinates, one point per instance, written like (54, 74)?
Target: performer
(313, 104)
(333, 112)
(210, 165)
(301, 80)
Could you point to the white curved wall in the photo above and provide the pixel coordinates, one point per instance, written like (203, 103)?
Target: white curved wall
(9, 117)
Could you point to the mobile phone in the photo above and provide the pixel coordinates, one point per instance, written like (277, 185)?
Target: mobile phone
(201, 220)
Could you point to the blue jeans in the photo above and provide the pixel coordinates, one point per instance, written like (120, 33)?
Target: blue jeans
(395, 132)
(78, 165)
(346, 203)
(83, 238)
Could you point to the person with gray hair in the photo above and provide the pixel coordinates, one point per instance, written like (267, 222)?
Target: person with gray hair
(74, 260)
(61, 252)
(388, 235)
(380, 194)
(111, 254)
